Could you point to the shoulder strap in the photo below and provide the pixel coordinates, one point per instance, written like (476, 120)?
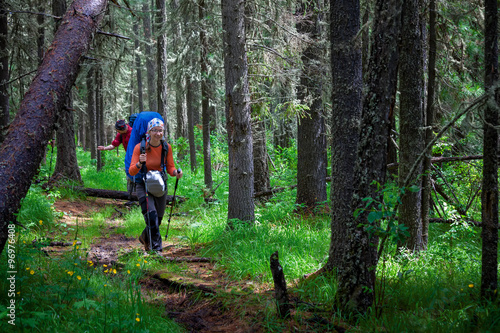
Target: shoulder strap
(164, 152)
(142, 151)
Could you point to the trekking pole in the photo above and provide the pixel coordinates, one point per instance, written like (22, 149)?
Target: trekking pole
(173, 202)
(148, 221)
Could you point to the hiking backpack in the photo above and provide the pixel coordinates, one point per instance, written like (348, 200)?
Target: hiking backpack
(131, 119)
(138, 135)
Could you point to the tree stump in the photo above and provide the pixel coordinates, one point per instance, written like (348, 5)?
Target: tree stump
(280, 292)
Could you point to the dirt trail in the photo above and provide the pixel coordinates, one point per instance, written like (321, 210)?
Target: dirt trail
(202, 299)
(180, 295)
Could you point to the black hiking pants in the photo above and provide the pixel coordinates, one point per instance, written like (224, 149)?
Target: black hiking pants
(153, 209)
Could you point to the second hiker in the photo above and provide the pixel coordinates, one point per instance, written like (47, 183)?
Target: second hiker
(152, 203)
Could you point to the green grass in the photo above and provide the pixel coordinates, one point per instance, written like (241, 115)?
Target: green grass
(435, 291)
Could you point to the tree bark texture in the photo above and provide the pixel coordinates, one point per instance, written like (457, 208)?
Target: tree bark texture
(411, 122)
(138, 67)
(40, 41)
(311, 132)
(429, 122)
(91, 111)
(262, 181)
(190, 115)
(66, 163)
(99, 103)
(4, 70)
(31, 129)
(161, 56)
(280, 292)
(347, 83)
(356, 273)
(205, 98)
(237, 108)
(148, 53)
(489, 195)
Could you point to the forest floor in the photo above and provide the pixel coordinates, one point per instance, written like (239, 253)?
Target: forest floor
(202, 298)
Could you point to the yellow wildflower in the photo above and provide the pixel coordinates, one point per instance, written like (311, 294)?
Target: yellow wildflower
(114, 271)
(79, 277)
(138, 265)
(71, 273)
(145, 261)
(27, 268)
(74, 242)
(104, 265)
(41, 222)
(471, 285)
(137, 319)
(128, 271)
(32, 272)
(105, 271)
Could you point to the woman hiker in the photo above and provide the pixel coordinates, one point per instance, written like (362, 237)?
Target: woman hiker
(153, 207)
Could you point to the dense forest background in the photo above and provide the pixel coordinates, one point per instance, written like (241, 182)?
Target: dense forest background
(390, 107)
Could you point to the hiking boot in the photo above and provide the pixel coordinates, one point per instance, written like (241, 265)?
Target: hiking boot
(143, 242)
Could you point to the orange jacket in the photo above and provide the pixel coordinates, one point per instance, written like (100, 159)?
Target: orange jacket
(153, 160)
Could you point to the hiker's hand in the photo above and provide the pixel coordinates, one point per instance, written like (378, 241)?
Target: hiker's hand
(178, 173)
(101, 148)
(142, 158)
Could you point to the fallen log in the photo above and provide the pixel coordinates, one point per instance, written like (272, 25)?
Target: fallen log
(121, 195)
(184, 259)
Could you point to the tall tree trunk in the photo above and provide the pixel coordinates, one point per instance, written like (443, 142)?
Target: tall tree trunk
(356, 273)
(347, 81)
(148, 53)
(311, 135)
(67, 168)
(4, 70)
(138, 67)
(205, 98)
(261, 168)
(411, 122)
(91, 111)
(429, 123)
(99, 108)
(489, 194)
(31, 129)
(66, 164)
(190, 115)
(161, 51)
(237, 102)
(40, 41)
